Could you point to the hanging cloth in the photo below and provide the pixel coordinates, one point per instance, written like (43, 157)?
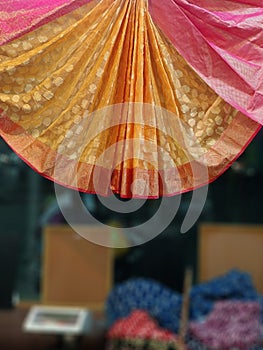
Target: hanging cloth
(130, 97)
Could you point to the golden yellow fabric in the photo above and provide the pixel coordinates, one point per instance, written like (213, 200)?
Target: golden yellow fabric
(59, 81)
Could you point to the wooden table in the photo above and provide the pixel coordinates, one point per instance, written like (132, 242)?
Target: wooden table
(12, 336)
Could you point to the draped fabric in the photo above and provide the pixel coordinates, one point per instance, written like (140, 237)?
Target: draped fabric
(144, 99)
(223, 41)
(20, 17)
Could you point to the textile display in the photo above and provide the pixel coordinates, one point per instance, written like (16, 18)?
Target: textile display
(164, 304)
(140, 98)
(148, 295)
(140, 331)
(234, 285)
(225, 313)
(230, 325)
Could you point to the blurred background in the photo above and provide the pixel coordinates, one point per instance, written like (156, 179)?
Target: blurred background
(28, 205)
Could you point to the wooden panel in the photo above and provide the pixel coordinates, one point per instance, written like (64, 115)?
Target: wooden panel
(76, 271)
(223, 247)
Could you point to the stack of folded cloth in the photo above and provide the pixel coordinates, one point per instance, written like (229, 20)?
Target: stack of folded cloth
(160, 302)
(139, 331)
(234, 285)
(230, 325)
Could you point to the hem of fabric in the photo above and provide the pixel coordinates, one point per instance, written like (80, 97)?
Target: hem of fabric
(128, 195)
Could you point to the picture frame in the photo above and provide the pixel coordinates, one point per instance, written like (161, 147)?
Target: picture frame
(57, 320)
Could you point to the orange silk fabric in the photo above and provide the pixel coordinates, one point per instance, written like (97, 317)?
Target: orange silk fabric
(60, 81)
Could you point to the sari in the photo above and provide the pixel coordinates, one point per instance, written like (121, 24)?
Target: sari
(139, 98)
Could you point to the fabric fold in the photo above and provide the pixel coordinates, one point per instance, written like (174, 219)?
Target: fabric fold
(223, 43)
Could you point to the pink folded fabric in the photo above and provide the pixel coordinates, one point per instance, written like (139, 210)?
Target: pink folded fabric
(223, 41)
(18, 17)
(231, 324)
(139, 331)
(140, 325)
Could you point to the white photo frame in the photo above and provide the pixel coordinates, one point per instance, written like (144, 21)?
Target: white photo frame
(57, 320)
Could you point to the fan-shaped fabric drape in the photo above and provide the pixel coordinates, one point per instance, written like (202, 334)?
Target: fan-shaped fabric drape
(141, 98)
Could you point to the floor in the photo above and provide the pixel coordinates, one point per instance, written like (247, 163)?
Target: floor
(12, 336)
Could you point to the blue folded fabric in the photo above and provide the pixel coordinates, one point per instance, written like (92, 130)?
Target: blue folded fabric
(159, 301)
(260, 301)
(164, 304)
